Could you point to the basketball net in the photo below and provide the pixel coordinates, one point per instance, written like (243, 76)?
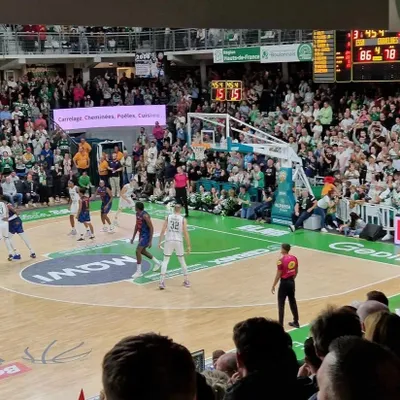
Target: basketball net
(199, 150)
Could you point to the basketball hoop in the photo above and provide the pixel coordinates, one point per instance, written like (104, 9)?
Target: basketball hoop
(199, 150)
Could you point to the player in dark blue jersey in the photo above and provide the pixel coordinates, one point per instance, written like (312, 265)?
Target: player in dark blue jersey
(15, 227)
(106, 202)
(145, 228)
(83, 214)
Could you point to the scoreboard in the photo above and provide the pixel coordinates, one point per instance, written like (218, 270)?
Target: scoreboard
(356, 56)
(226, 90)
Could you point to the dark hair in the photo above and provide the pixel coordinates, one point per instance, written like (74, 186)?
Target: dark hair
(82, 190)
(286, 247)
(378, 296)
(262, 345)
(139, 205)
(354, 217)
(149, 366)
(330, 325)
(363, 370)
(310, 354)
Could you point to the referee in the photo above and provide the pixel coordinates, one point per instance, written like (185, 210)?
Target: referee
(181, 187)
(286, 274)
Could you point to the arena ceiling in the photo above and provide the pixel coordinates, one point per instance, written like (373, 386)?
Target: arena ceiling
(247, 14)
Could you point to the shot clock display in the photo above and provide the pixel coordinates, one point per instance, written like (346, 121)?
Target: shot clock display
(226, 90)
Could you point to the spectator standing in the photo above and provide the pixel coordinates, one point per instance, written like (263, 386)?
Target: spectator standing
(84, 182)
(103, 169)
(158, 134)
(81, 160)
(83, 144)
(114, 168)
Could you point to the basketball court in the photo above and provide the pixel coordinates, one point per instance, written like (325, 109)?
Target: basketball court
(64, 310)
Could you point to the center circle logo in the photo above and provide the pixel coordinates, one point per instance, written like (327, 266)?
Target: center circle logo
(83, 270)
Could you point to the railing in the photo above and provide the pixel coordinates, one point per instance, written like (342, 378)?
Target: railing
(17, 43)
(370, 213)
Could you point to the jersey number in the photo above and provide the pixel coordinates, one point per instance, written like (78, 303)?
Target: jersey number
(174, 226)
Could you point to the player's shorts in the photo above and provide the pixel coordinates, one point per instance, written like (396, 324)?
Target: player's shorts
(4, 229)
(144, 241)
(126, 204)
(84, 217)
(174, 245)
(74, 208)
(105, 209)
(15, 226)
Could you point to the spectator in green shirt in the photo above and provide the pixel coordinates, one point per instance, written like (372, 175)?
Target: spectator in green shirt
(244, 201)
(84, 182)
(7, 164)
(258, 180)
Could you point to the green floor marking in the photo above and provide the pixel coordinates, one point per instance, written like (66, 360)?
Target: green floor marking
(242, 239)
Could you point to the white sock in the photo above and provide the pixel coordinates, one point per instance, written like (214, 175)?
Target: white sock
(164, 266)
(158, 262)
(26, 241)
(183, 266)
(9, 245)
(139, 268)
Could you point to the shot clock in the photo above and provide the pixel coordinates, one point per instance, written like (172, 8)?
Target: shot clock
(226, 90)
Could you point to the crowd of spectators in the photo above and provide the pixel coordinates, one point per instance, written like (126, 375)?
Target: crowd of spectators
(351, 138)
(352, 353)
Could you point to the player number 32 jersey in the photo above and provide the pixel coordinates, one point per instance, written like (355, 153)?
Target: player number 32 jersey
(174, 228)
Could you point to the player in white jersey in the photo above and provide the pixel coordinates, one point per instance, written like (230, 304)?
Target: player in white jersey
(74, 204)
(174, 230)
(125, 200)
(4, 215)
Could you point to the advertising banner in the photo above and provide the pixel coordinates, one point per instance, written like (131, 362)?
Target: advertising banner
(287, 53)
(99, 117)
(241, 54)
(283, 207)
(149, 65)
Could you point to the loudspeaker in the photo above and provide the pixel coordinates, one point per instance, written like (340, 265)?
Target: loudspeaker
(372, 232)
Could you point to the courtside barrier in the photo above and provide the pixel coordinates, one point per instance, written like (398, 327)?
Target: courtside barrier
(378, 214)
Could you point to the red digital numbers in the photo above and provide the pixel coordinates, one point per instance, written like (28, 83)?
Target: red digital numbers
(236, 94)
(390, 54)
(220, 94)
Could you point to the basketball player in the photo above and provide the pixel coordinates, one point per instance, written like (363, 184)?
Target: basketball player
(15, 227)
(174, 229)
(145, 228)
(286, 274)
(125, 200)
(106, 202)
(83, 215)
(5, 232)
(74, 205)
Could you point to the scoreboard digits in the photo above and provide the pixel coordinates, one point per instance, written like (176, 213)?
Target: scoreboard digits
(226, 90)
(360, 55)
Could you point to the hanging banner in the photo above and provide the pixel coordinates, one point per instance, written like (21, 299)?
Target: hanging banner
(283, 207)
(287, 53)
(149, 65)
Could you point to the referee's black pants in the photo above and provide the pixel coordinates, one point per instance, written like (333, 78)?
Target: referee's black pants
(287, 289)
(181, 198)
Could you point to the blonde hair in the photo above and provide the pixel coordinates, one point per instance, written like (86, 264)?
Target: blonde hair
(383, 327)
(218, 381)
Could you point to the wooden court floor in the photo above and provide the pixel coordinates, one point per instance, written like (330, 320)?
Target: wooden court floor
(60, 315)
